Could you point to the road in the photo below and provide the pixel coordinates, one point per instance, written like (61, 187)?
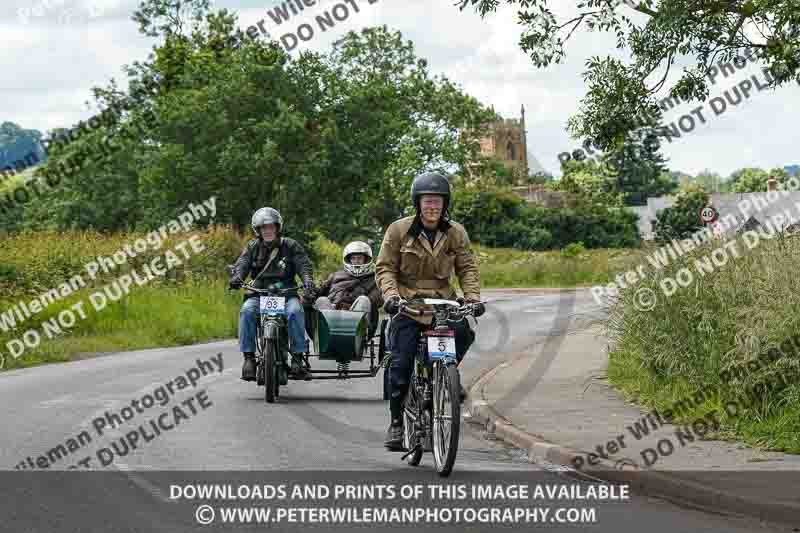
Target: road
(323, 430)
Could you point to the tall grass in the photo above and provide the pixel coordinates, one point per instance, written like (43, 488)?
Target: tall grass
(507, 267)
(710, 330)
(149, 317)
(32, 262)
(186, 305)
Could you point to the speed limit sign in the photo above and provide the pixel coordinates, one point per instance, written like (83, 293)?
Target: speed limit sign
(708, 215)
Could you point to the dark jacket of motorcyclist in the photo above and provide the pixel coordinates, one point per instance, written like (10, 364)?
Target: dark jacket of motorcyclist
(270, 259)
(290, 260)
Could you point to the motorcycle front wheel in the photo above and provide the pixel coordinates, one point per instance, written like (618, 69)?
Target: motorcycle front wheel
(446, 417)
(271, 383)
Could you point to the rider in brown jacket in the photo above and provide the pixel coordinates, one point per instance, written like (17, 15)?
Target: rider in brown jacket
(418, 257)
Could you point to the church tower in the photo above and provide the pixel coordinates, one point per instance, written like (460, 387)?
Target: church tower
(507, 142)
(524, 141)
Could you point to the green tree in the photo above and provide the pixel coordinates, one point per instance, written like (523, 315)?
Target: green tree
(331, 140)
(708, 180)
(672, 32)
(495, 216)
(683, 218)
(749, 180)
(397, 120)
(488, 172)
(588, 181)
(755, 179)
(637, 167)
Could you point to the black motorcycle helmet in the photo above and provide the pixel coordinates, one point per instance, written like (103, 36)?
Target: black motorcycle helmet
(430, 183)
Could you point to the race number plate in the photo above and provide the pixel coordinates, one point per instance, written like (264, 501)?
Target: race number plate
(273, 305)
(442, 344)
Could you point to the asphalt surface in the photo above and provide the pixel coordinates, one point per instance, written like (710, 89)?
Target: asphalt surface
(319, 431)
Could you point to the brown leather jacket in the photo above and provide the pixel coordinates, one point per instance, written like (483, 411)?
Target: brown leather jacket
(408, 267)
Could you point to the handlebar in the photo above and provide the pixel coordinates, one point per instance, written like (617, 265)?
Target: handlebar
(459, 310)
(251, 288)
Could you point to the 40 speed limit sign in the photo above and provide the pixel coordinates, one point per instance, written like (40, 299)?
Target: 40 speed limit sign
(708, 215)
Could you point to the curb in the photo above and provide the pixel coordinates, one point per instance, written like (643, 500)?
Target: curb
(642, 481)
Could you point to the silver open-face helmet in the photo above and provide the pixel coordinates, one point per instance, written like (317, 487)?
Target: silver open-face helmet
(357, 247)
(266, 215)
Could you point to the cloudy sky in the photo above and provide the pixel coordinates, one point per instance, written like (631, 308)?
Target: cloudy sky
(56, 50)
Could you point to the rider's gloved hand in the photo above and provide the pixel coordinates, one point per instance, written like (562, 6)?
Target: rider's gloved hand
(236, 282)
(478, 308)
(392, 305)
(310, 290)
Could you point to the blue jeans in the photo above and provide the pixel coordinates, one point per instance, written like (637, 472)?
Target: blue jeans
(248, 325)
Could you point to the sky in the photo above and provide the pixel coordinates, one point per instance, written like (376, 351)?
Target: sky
(55, 51)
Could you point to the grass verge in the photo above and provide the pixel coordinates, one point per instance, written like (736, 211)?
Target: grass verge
(729, 338)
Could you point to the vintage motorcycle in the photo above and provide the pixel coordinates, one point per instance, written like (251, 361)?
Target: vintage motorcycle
(338, 335)
(432, 407)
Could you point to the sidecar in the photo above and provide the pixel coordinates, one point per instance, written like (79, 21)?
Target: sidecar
(343, 337)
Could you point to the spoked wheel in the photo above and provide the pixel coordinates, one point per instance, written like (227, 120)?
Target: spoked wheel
(261, 348)
(446, 417)
(271, 383)
(411, 412)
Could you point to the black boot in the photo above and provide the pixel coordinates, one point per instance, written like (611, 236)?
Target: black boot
(249, 367)
(394, 436)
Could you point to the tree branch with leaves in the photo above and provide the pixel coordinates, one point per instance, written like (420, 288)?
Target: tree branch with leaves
(703, 31)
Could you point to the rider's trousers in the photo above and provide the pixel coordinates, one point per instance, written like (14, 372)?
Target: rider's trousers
(404, 338)
(248, 325)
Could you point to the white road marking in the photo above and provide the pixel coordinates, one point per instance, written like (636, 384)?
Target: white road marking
(142, 483)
